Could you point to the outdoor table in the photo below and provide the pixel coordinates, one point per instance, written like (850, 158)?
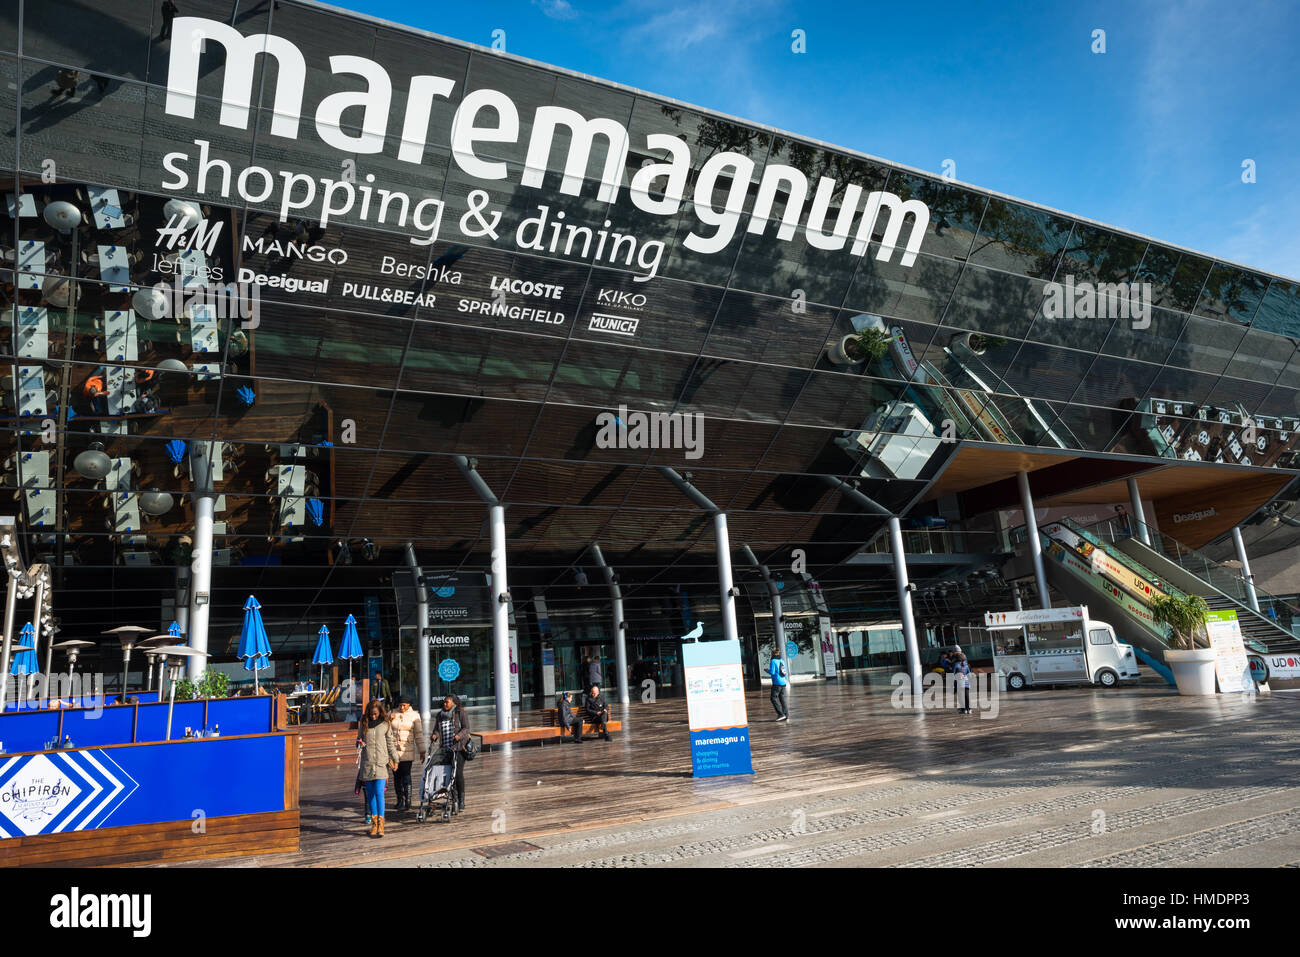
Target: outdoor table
(31, 391)
(193, 267)
(120, 392)
(33, 333)
(120, 335)
(36, 488)
(289, 485)
(31, 260)
(115, 267)
(206, 371)
(24, 205)
(107, 207)
(203, 330)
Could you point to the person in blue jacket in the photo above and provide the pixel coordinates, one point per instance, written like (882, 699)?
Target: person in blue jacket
(780, 680)
(961, 671)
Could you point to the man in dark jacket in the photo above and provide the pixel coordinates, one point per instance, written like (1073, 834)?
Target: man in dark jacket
(593, 671)
(595, 711)
(451, 733)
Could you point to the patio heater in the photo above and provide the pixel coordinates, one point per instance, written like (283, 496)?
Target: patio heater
(129, 636)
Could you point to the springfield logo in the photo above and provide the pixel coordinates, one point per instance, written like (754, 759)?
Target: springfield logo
(1195, 516)
(357, 121)
(76, 910)
(651, 430)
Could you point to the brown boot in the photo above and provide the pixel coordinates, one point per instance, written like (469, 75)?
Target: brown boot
(374, 826)
(381, 827)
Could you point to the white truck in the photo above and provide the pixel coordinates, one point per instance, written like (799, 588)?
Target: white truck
(1058, 646)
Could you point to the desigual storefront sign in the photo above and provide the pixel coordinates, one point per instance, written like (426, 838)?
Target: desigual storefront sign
(361, 123)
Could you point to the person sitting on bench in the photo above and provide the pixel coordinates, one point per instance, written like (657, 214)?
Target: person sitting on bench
(595, 711)
(564, 716)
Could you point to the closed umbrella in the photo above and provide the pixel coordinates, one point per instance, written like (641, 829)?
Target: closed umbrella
(254, 646)
(351, 647)
(323, 656)
(24, 662)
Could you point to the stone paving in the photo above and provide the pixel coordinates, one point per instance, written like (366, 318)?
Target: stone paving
(1221, 793)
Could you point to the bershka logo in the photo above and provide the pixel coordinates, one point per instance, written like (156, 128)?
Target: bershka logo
(615, 325)
(357, 121)
(1195, 516)
(76, 910)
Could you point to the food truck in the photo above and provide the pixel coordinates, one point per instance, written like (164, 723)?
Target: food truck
(1058, 646)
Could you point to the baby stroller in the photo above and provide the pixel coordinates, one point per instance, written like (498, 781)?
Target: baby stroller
(437, 789)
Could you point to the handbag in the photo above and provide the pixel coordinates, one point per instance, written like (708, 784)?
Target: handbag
(469, 749)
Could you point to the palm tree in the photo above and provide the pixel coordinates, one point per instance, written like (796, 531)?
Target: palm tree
(1186, 616)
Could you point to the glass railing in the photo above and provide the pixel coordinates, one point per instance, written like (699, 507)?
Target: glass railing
(1221, 577)
(1086, 533)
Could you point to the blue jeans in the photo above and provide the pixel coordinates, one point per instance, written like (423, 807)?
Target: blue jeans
(375, 797)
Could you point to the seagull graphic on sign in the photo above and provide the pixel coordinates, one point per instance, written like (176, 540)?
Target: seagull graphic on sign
(694, 633)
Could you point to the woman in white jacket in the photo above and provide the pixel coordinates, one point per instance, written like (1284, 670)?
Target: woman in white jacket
(408, 735)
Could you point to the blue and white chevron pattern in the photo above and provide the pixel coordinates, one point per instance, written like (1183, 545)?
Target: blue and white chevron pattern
(58, 791)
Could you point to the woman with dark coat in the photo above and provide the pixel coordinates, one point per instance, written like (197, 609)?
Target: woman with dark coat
(451, 733)
(378, 747)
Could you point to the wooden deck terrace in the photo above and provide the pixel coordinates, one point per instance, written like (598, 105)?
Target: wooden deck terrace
(841, 734)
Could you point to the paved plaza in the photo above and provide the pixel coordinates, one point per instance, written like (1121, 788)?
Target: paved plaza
(1072, 777)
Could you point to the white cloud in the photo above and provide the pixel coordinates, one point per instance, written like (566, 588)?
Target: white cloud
(557, 9)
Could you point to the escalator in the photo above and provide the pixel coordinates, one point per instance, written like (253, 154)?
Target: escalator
(1118, 581)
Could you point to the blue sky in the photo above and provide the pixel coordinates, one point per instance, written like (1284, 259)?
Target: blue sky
(1149, 135)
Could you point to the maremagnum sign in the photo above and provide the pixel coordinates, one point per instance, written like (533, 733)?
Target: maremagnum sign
(358, 122)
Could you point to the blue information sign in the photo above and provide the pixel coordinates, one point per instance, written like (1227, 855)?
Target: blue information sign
(715, 704)
(448, 669)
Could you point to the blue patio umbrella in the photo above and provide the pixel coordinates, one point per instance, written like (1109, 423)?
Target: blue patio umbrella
(316, 511)
(254, 646)
(25, 662)
(176, 450)
(246, 395)
(351, 647)
(323, 656)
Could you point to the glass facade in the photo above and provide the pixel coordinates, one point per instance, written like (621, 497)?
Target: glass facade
(432, 250)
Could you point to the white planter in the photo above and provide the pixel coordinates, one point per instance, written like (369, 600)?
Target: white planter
(964, 340)
(1193, 670)
(838, 354)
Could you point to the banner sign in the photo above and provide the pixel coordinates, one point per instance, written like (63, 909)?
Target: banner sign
(1230, 665)
(715, 705)
(54, 792)
(828, 645)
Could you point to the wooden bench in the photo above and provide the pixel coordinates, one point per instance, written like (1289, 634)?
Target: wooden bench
(539, 735)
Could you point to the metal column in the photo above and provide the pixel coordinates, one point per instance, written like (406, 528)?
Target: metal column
(182, 610)
(620, 625)
(1031, 535)
(729, 630)
(204, 509)
(423, 685)
(1251, 597)
(905, 604)
(500, 616)
(728, 599)
(11, 607)
(1139, 517)
(778, 629)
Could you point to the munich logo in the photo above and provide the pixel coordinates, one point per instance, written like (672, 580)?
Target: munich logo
(615, 325)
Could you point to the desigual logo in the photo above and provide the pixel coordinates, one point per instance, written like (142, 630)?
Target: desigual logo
(1195, 516)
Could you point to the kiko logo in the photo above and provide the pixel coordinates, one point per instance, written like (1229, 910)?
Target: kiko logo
(660, 187)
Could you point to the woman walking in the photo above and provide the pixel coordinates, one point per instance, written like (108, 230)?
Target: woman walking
(378, 757)
(408, 736)
(961, 671)
(451, 733)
